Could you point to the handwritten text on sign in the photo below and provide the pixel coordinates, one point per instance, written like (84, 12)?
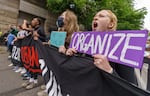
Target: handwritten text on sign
(124, 47)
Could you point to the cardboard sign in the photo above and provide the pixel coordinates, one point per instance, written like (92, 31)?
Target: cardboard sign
(57, 38)
(124, 47)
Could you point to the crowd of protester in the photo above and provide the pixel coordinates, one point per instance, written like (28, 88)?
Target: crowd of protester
(104, 20)
(18, 33)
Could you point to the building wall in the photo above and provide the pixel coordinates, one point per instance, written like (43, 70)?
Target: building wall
(14, 11)
(33, 8)
(8, 13)
(40, 3)
(50, 21)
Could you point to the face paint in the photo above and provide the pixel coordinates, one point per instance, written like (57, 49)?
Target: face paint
(60, 22)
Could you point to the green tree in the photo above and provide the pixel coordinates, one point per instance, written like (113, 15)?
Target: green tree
(128, 17)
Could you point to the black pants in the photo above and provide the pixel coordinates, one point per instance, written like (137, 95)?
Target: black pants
(34, 75)
(10, 48)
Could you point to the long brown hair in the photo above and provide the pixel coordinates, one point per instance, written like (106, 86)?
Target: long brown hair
(70, 24)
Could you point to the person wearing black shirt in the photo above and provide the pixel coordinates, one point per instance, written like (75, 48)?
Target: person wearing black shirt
(38, 34)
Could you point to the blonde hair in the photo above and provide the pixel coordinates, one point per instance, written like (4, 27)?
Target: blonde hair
(113, 19)
(70, 24)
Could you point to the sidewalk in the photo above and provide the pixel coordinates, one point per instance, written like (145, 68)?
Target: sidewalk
(10, 82)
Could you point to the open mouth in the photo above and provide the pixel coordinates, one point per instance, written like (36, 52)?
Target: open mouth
(95, 24)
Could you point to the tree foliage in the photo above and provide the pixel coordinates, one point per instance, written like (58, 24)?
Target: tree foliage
(128, 17)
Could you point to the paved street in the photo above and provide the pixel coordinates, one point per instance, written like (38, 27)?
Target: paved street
(10, 82)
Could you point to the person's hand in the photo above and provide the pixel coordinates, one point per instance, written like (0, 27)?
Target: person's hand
(101, 62)
(12, 43)
(35, 33)
(45, 43)
(148, 56)
(30, 33)
(5, 38)
(35, 38)
(71, 51)
(49, 42)
(62, 49)
(25, 21)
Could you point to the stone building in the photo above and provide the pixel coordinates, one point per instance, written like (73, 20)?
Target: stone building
(15, 11)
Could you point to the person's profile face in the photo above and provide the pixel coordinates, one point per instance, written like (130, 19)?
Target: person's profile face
(101, 21)
(63, 15)
(34, 22)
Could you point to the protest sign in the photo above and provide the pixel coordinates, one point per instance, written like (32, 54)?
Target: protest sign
(57, 38)
(124, 47)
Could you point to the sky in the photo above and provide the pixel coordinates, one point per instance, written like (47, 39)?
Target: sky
(144, 3)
